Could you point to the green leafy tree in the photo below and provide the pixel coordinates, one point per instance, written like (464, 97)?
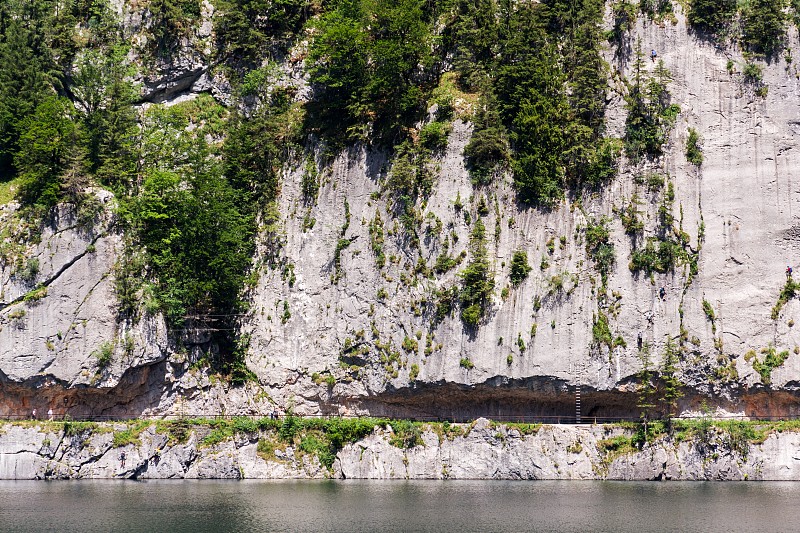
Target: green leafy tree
(487, 150)
(646, 390)
(198, 239)
(365, 67)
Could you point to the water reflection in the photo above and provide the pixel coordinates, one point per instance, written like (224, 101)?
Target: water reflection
(200, 506)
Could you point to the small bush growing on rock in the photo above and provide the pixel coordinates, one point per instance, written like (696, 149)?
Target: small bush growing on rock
(217, 435)
(433, 136)
(694, 154)
(599, 246)
(104, 354)
(466, 363)
(35, 295)
(410, 345)
(266, 448)
(753, 73)
(772, 359)
(788, 292)
(477, 279)
(130, 435)
(708, 310)
(407, 434)
(519, 267)
(73, 429)
(311, 444)
(29, 272)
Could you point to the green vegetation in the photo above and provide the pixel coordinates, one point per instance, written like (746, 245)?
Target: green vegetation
(35, 295)
(714, 16)
(72, 428)
(364, 65)
(187, 206)
(670, 247)
(630, 216)
(519, 267)
(763, 26)
(104, 354)
(651, 115)
(130, 435)
(788, 292)
(708, 310)
(670, 388)
(250, 29)
(477, 279)
(694, 153)
(601, 333)
(764, 366)
(599, 247)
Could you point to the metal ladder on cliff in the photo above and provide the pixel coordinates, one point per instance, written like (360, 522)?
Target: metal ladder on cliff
(579, 368)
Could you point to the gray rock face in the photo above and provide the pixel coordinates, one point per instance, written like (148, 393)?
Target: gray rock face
(738, 210)
(371, 330)
(480, 451)
(57, 320)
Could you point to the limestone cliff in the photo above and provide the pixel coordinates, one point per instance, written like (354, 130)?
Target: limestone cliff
(483, 450)
(332, 332)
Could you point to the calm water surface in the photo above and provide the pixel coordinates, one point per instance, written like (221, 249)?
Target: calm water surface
(198, 506)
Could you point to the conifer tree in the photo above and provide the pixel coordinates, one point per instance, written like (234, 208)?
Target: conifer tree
(671, 390)
(47, 147)
(764, 26)
(477, 278)
(712, 15)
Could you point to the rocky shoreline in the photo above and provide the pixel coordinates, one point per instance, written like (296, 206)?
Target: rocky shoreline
(481, 450)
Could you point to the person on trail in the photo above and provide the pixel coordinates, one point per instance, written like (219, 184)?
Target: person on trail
(653, 55)
(639, 340)
(662, 293)
(788, 272)
(122, 459)
(50, 414)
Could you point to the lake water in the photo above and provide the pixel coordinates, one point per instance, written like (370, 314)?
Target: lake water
(381, 506)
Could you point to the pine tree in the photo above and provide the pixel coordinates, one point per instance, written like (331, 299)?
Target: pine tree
(646, 386)
(477, 278)
(712, 15)
(671, 384)
(26, 75)
(764, 26)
